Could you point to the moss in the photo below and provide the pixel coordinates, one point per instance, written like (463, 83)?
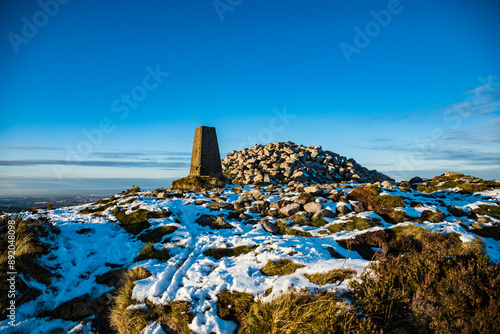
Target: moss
(218, 253)
(98, 209)
(134, 190)
(292, 231)
(281, 267)
(331, 277)
(389, 201)
(464, 182)
(489, 210)
(318, 222)
(157, 234)
(199, 183)
(137, 221)
(354, 223)
(150, 252)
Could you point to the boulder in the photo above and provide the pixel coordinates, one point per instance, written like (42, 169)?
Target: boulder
(304, 198)
(343, 209)
(415, 179)
(270, 227)
(314, 190)
(290, 209)
(324, 213)
(206, 220)
(358, 206)
(313, 207)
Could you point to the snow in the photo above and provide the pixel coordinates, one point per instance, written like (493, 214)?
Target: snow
(190, 275)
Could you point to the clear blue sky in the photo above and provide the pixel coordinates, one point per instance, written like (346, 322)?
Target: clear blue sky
(108, 93)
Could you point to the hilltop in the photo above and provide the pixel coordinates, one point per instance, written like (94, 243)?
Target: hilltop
(241, 257)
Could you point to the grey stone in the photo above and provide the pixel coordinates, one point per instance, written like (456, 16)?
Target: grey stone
(324, 213)
(206, 220)
(357, 206)
(270, 227)
(304, 198)
(343, 209)
(314, 190)
(221, 205)
(290, 209)
(313, 207)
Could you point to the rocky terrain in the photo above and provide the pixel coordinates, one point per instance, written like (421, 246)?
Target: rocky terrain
(224, 260)
(284, 162)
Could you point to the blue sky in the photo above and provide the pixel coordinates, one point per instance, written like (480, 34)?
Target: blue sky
(107, 94)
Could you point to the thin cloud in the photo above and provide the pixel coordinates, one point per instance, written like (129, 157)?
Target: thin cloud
(97, 163)
(30, 148)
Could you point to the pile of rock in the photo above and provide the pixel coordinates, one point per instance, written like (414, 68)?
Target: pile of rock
(284, 162)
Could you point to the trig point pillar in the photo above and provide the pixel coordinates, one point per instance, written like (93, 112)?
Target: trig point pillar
(205, 159)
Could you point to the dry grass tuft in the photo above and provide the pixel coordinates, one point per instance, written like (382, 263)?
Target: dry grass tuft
(219, 253)
(331, 277)
(281, 267)
(150, 252)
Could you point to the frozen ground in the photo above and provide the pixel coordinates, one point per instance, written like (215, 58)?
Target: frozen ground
(189, 275)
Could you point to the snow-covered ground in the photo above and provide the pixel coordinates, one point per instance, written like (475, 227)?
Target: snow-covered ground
(189, 275)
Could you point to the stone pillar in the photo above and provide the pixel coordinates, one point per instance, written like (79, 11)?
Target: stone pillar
(205, 159)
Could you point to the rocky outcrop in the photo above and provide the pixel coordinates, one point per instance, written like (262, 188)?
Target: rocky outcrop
(284, 162)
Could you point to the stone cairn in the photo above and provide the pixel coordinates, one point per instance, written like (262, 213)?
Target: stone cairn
(284, 162)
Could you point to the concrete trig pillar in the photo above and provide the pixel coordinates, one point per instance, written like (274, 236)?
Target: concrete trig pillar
(205, 159)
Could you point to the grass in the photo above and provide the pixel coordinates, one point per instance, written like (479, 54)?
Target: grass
(175, 315)
(137, 221)
(198, 183)
(373, 201)
(464, 182)
(233, 306)
(298, 312)
(150, 252)
(98, 209)
(29, 247)
(219, 253)
(281, 267)
(354, 223)
(292, 231)
(489, 210)
(331, 277)
(157, 234)
(439, 286)
(443, 287)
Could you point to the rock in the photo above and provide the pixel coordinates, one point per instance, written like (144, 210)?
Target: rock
(221, 223)
(415, 179)
(323, 213)
(290, 209)
(313, 207)
(244, 216)
(343, 209)
(304, 198)
(457, 212)
(201, 201)
(215, 206)
(314, 190)
(483, 220)
(386, 184)
(334, 253)
(358, 206)
(274, 205)
(206, 220)
(270, 227)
